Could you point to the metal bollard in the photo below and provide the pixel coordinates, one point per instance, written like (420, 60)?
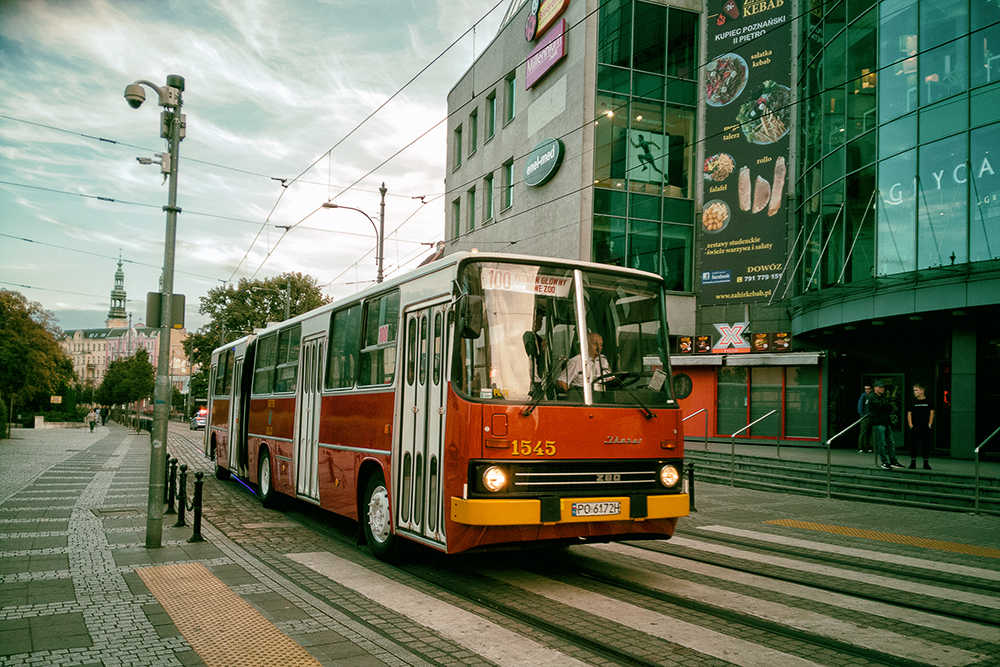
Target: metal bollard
(692, 508)
(170, 495)
(181, 498)
(166, 477)
(196, 507)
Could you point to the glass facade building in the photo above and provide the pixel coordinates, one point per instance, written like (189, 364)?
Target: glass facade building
(644, 137)
(900, 104)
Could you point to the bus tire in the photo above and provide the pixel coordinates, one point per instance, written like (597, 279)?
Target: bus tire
(264, 487)
(220, 472)
(377, 520)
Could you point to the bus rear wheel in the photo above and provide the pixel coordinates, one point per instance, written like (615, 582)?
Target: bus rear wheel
(264, 488)
(377, 518)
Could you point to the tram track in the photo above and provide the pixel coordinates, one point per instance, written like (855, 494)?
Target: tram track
(868, 565)
(462, 578)
(864, 591)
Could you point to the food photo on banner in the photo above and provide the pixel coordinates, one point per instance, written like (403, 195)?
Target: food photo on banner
(747, 120)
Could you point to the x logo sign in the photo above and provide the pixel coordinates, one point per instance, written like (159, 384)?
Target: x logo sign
(732, 335)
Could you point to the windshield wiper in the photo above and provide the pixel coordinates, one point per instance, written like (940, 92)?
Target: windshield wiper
(621, 385)
(547, 383)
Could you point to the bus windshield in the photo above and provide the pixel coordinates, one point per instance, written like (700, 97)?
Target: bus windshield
(546, 331)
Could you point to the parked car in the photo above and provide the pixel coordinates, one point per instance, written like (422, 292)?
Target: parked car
(198, 421)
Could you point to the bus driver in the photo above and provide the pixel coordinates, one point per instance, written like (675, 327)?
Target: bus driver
(597, 365)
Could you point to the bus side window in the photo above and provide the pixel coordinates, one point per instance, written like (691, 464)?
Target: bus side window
(288, 359)
(342, 350)
(267, 353)
(378, 353)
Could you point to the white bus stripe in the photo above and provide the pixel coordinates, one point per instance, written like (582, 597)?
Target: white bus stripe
(915, 617)
(483, 637)
(910, 648)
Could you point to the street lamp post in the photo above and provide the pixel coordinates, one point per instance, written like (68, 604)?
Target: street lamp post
(379, 228)
(171, 129)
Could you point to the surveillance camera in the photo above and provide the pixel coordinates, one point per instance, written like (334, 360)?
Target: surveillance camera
(135, 95)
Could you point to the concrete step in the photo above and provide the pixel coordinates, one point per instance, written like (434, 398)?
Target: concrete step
(916, 488)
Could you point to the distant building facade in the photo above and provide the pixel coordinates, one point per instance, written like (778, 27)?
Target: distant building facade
(93, 350)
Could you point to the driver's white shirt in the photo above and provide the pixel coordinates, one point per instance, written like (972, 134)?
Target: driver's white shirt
(595, 369)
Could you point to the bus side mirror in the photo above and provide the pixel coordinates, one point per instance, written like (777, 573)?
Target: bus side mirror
(470, 316)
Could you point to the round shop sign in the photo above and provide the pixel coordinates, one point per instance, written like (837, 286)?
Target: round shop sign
(543, 162)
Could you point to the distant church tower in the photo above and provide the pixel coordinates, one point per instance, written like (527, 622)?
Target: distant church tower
(116, 316)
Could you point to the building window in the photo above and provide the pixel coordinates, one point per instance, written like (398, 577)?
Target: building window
(748, 393)
(473, 131)
(511, 88)
(508, 186)
(488, 198)
(458, 147)
(491, 115)
(456, 218)
(472, 208)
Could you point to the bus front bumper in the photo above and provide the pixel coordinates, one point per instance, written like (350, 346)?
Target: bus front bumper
(533, 511)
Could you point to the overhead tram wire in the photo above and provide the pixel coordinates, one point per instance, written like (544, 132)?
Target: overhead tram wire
(96, 254)
(286, 184)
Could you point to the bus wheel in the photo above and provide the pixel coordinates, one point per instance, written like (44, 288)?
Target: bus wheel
(266, 493)
(377, 517)
(220, 472)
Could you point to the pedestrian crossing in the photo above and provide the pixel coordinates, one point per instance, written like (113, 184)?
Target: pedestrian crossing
(897, 631)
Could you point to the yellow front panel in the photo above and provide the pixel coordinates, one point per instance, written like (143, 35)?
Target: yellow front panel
(520, 512)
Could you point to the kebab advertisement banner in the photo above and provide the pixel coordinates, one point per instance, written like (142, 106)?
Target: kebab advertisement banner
(747, 121)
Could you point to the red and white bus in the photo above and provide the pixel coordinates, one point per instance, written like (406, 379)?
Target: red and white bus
(452, 406)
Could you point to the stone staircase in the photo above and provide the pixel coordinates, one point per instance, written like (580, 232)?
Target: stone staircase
(929, 489)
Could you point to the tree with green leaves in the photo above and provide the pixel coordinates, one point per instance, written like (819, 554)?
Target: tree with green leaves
(32, 364)
(236, 310)
(127, 380)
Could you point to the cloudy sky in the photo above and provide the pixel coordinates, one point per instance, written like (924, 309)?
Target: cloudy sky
(274, 89)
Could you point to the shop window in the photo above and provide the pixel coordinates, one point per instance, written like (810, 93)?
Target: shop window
(802, 404)
(731, 412)
(766, 386)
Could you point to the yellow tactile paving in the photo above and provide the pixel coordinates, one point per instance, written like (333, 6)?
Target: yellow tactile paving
(890, 537)
(221, 627)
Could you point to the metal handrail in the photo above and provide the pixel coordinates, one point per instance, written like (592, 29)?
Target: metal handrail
(695, 414)
(976, 452)
(732, 456)
(829, 465)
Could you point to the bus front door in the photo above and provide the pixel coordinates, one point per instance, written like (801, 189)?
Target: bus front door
(306, 455)
(237, 439)
(420, 448)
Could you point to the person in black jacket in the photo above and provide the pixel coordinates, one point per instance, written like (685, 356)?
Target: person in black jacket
(880, 409)
(865, 434)
(920, 419)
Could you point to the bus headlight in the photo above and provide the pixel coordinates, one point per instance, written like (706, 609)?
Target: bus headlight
(669, 476)
(494, 478)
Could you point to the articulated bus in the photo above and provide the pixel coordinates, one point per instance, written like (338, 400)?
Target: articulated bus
(463, 406)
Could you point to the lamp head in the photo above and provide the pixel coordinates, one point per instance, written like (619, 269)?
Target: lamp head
(135, 95)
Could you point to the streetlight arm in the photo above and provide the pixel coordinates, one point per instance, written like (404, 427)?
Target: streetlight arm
(351, 208)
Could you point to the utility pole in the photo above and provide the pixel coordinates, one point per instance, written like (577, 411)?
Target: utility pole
(381, 232)
(171, 128)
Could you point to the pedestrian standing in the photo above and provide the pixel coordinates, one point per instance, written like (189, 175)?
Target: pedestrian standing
(920, 419)
(880, 410)
(865, 434)
(91, 419)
